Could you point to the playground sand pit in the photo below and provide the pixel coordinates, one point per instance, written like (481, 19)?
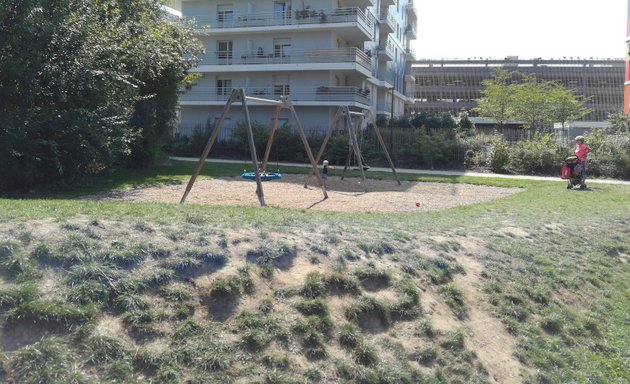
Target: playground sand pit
(343, 195)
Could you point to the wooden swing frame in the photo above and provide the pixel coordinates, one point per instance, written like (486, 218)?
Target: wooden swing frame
(238, 95)
(344, 114)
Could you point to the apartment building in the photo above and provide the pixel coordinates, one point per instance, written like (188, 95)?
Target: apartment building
(319, 53)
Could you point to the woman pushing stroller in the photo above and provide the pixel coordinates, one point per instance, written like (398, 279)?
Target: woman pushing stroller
(579, 167)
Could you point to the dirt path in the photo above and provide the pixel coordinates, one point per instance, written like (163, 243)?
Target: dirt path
(486, 334)
(344, 195)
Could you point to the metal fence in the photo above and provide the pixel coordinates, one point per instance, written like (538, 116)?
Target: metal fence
(442, 148)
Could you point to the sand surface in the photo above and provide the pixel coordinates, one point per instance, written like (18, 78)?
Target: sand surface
(343, 195)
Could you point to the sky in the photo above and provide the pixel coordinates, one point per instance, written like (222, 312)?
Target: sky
(525, 28)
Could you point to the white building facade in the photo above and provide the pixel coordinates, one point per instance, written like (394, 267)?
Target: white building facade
(319, 53)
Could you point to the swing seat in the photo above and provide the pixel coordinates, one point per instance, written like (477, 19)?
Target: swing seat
(264, 176)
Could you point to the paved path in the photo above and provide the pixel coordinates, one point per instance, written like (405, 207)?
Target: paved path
(423, 171)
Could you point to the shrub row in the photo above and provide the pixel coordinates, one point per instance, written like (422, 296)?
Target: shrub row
(444, 148)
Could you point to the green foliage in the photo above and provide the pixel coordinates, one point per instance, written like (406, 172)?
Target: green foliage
(343, 283)
(131, 302)
(74, 249)
(408, 305)
(431, 150)
(522, 97)
(103, 349)
(540, 155)
(272, 255)
(312, 307)
(125, 256)
(425, 354)
(8, 248)
(198, 347)
(367, 310)
(454, 340)
(141, 322)
(454, 298)
(365, 354)
(373, 279)
(609, 153)
(260, 330)
(498, 94)
(350, 336)
(48, 361)
(51, 313)
(86, 87)
(12, 297)
(499, 156)
(432, 120)
(619, 123)
(315, 285)
(225, 288)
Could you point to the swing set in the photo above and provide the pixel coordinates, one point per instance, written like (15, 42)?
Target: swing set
(353, 128)
(260, 174)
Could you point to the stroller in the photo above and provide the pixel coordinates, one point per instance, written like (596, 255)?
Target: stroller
(573, 172)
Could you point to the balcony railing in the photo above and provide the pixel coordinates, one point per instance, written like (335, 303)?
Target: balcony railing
(288, 56)
(411, 9)
(410, 54)
(297, 17)
(295, 94)
(387, 47)
(388, 20)
(411, 31)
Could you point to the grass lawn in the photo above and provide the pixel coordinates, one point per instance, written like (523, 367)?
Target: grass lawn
(131, 292)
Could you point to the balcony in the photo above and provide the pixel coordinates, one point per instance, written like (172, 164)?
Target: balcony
(387, 22)
(286, 59)
(307, 19)
(387, 49)
(359, 3)
(412, 11)
(411, 32)
(410, 54)
(314, 96)
(387, 3)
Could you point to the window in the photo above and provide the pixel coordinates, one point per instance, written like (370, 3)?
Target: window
(224, 49)
(225, 13)
(282, 9)
(281, 89)
(282, 49)
(224, 87)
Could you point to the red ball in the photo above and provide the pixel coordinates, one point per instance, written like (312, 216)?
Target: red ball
(417, 204)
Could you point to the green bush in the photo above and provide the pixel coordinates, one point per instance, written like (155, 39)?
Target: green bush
(609, 154)
(540, 155)
(437, 150)
(499, 156)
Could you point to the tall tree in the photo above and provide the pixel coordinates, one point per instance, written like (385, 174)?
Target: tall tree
(73, 73)
(566, 105)
(498, 94)
(532, 103)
